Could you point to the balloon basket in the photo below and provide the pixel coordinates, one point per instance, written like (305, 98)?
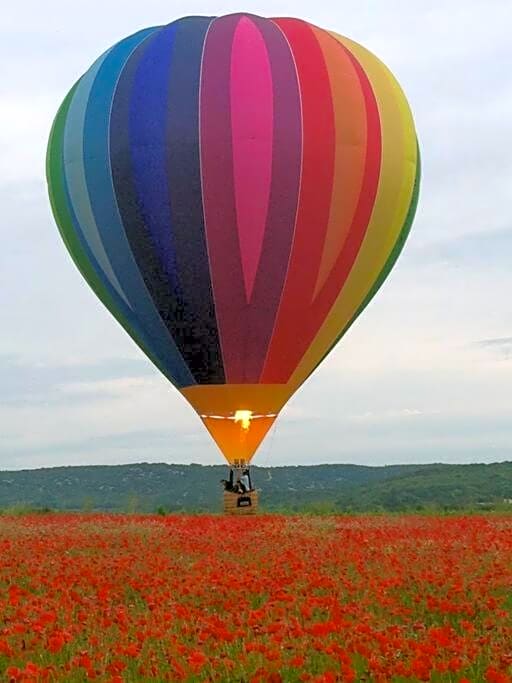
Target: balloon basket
(240, 503)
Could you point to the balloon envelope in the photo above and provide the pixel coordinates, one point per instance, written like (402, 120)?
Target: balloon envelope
(235, 190)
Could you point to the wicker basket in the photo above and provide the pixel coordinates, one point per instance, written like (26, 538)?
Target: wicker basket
(240, 503)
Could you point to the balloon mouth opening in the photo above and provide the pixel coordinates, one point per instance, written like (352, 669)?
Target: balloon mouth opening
(243, 417)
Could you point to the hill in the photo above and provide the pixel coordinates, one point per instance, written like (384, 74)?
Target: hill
(147, 487)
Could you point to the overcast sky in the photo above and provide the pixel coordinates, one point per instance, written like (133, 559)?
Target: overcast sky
(424, 375)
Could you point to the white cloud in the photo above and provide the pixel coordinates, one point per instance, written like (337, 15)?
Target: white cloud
(398, 414)
(408, 383)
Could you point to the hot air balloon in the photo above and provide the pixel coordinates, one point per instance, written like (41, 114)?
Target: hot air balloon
(235, 190)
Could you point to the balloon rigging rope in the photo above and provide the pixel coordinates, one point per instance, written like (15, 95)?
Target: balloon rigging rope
(270, 445)
(234, 418)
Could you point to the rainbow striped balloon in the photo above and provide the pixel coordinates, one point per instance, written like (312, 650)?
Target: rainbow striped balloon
(235, 190)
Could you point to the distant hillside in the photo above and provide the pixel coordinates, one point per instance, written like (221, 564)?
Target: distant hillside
(147, 487)
(446, 486)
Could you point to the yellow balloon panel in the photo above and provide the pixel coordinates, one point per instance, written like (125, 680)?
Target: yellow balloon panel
(394, 196)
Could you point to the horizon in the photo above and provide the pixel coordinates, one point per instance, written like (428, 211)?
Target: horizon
(290, 465)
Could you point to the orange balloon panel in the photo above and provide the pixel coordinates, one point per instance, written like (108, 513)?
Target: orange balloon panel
(218, 404)
(236, 442)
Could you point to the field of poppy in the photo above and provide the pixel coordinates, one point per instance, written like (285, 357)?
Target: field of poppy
(270, 598)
